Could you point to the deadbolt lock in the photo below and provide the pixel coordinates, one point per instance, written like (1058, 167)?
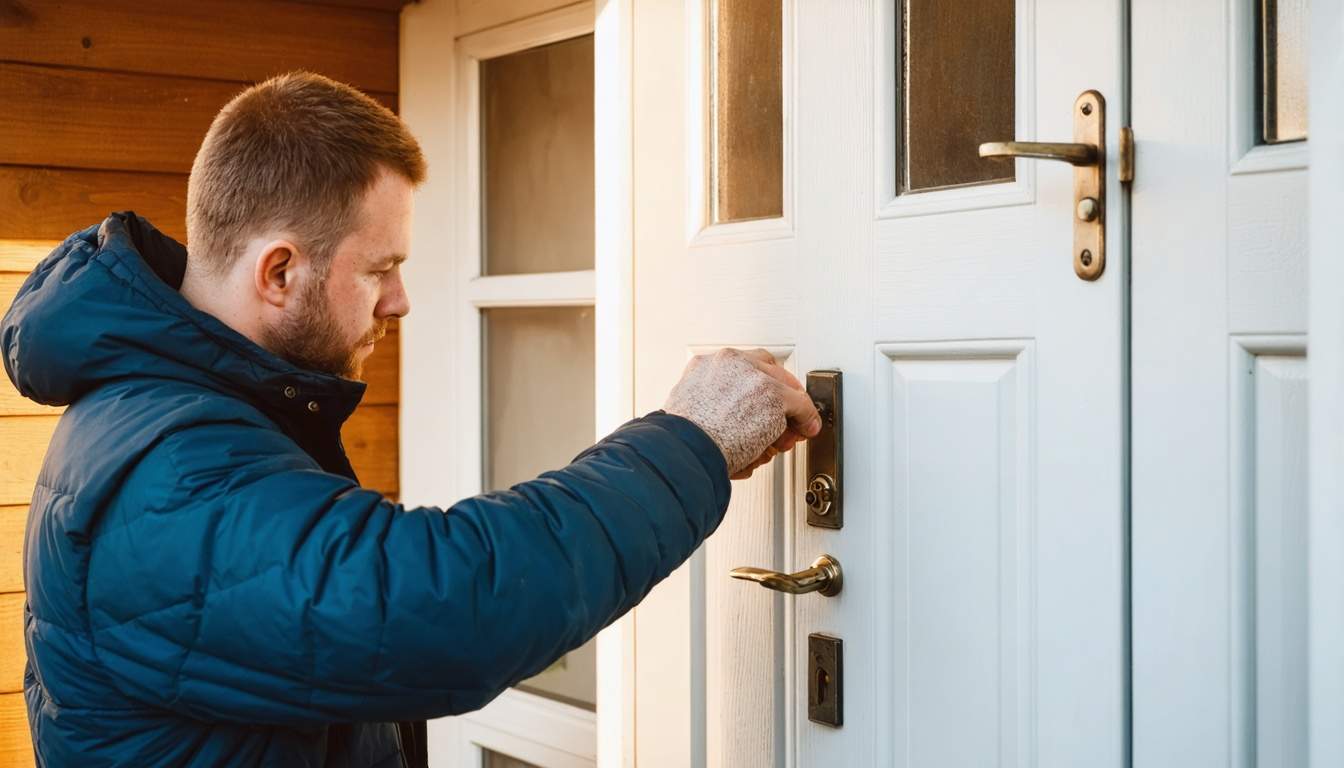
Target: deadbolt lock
(824, 453)
(820, 495)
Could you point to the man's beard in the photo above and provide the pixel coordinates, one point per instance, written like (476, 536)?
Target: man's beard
(311, 339)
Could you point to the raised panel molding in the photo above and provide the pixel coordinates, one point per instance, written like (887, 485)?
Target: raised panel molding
(1268, 560)
(958, 532)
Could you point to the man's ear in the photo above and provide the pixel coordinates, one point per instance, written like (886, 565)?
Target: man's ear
(277, 268)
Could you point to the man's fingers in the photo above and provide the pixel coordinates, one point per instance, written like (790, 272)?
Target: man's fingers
(763, 459)
(759, 355)
(765, 362)
(800, 412)
(787, 440)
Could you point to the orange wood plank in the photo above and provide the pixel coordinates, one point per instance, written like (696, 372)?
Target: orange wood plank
(12, 521)
(382, 371)
(23, 444)
(23, 255)
(12, 653)
(370, 438)
(240, 40)
(77, 118)
(11, 402)
(16, 746)
(51, 203)
(14, 404)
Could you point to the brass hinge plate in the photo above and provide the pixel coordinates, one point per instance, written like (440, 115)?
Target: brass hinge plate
(1126, 155)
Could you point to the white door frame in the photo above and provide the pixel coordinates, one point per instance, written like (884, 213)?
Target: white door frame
(615, 345)
(1325, 197)
(441, 387)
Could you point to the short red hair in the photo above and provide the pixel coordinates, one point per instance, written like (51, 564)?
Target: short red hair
(296, 153)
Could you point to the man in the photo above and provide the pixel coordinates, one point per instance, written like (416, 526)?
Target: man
(207, 582)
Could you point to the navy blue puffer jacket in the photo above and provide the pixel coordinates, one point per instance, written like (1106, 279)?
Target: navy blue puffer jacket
(208, 584)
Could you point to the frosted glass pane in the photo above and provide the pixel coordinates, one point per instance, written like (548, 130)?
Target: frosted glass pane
(537, 159)
(539, 390)
(540, 413)
(957, 92)
(747, 152)
(495, 759)
(1283, 70)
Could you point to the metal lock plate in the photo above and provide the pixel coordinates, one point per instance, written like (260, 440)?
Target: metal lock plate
(822, 494)
(825, 680)
(1089, 188)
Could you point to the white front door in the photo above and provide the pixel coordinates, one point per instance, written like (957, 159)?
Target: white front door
(1220, 383)
(805, 180)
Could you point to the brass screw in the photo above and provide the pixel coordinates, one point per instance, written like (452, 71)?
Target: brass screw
(1085, 257)
(1087, 109)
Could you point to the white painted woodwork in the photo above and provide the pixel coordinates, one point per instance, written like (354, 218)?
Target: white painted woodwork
(429, 335)
(442, 339)
(1269, 503)
(521, 725)
(1219, 463)
(615, 382)
(478, 15)
(1326, 374)
(984, 388)
(960, 475)
(551, 289)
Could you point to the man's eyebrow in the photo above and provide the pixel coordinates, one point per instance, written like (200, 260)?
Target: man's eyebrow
(395, 258)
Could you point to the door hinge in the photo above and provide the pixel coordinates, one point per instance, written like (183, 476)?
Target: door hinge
(1126, 155)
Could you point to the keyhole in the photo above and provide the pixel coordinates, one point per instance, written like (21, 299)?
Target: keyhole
(823, 683)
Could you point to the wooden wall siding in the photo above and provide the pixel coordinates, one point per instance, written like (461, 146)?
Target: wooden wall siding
(11, 642)
(391, 6)
(82, 118)
(12, 519)
(50, 203)
(95, 34)
(105, 104)
(15, 748)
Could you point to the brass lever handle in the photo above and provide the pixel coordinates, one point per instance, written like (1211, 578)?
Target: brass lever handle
(1073, 154)
(824, 576)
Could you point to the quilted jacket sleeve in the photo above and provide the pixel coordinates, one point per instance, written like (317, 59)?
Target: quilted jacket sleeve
(251, 587)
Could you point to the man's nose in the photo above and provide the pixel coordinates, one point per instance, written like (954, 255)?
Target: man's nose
(395, 303)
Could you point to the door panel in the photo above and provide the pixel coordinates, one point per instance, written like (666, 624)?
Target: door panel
(959, 419)
(1219, 422)
(982, 614)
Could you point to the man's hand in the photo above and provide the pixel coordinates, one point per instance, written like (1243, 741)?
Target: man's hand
(749, 405)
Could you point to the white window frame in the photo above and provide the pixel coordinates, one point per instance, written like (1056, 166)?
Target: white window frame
(441, 343)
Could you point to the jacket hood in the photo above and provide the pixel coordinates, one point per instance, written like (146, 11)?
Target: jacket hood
(104, 306)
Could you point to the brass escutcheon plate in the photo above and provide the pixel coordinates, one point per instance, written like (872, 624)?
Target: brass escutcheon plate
(1089, 183)
(823, 490)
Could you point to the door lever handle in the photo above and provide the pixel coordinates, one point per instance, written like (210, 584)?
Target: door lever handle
(824, 576)
(1087, 155)
(1073, 154)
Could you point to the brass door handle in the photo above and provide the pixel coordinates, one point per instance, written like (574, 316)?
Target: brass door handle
(1073, 154)
(824, 576)
(1087, 155)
